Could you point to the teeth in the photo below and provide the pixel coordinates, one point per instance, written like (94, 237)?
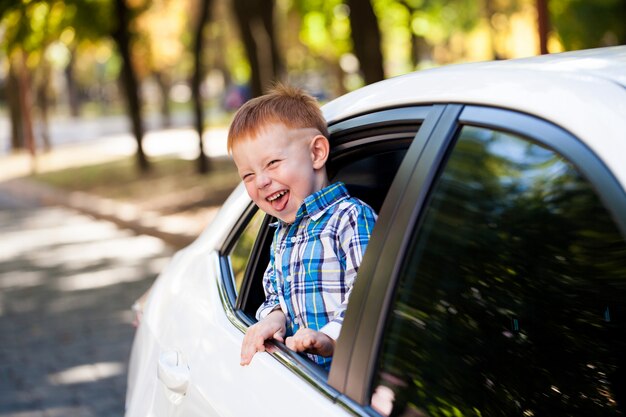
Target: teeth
(276, 196)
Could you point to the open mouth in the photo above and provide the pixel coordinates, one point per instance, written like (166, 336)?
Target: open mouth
(279, 199)
(276, 196)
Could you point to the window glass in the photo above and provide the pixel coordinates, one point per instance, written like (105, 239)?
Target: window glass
(512, 296)
(240, 254)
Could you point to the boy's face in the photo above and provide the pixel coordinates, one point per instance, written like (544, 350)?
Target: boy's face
(280, 167)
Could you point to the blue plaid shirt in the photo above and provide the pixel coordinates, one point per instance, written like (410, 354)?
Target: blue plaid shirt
(314, 261)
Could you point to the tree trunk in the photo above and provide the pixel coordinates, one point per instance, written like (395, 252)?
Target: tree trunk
(255, 19)
(121, 36)
(543, 20)
(43, 101)
(163, 82)
(196, 81)
(244, 17)
(366, 39)
(13, 101)
(25, 101)
(267, 16)
(72, 90)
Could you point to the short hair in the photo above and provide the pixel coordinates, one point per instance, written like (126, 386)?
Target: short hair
(284, 104)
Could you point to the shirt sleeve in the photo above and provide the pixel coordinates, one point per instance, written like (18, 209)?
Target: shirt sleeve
(270, 286)
(353, 236)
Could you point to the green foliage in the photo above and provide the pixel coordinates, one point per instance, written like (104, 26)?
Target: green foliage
(32, 25)
(584, 24)
(325, 28)
(437, 20)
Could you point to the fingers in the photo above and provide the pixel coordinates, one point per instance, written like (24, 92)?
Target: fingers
(311, 341)
(279, 336)
(304, 339)
(252, 344)
(255, 337)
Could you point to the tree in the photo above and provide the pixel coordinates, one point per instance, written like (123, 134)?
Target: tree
(161, 40)
(366, 40)
(196, 81)
(588, 24)
(256, 23)
(20, 42)
(543, 25)
(122, 38)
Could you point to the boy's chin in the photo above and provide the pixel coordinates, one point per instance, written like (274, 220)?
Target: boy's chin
(286, 219)
(284, 216)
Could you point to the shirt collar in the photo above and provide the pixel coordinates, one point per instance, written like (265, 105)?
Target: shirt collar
(317, 203)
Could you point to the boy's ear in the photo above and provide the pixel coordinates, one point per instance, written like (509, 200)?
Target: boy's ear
(320, 148)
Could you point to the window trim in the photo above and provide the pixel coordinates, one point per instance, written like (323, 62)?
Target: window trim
(226, 248)
(374, 292)
(361, 324)
(230, 303)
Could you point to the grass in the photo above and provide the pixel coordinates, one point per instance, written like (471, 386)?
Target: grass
(171, 185)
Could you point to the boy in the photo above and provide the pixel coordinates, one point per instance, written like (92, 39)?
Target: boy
(280, 147)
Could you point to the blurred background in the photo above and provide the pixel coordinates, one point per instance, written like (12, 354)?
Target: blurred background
(168, 63)
(113, 118)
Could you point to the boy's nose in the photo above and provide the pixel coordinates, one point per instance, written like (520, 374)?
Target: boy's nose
(262, 181)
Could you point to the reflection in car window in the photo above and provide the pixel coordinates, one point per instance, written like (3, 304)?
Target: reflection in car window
(511, 299)
(243, 247)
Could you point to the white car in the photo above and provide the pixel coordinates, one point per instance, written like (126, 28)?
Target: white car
(494, 283)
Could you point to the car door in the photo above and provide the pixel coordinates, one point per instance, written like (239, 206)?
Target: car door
(367, 152)
(500, 286)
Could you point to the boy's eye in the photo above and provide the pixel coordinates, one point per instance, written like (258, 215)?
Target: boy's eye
(246, 177)
(273, 162)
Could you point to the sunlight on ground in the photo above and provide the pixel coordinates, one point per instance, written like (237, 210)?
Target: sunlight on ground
(112, 276)
(83, 254)
(22, 279)
(78, 241)
(86, 373)
(182, 143)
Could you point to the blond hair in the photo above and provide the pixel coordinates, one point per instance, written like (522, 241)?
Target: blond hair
(284, 104)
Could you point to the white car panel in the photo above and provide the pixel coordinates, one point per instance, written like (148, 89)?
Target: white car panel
(578, 96)
(191, 341)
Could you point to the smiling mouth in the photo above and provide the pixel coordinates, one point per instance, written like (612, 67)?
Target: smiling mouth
(276, 196)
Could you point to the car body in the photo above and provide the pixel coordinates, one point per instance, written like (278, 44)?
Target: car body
(495, 279)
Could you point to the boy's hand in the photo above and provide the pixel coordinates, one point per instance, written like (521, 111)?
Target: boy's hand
(271, 327)
(311, 341)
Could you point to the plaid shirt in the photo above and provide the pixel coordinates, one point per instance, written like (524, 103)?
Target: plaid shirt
(314, 261)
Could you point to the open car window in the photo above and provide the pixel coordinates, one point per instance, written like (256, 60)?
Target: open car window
(366, 153)
(367, 174)
(242, 249)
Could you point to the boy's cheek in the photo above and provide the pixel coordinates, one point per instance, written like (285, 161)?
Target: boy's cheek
(249, 190)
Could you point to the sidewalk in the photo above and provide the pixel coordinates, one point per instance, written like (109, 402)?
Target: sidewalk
(179, 230)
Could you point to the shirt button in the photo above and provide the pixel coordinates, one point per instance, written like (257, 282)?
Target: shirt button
(293, 240)
(296, 320)
(288, 279)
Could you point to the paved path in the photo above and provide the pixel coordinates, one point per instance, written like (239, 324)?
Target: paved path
(66, 283)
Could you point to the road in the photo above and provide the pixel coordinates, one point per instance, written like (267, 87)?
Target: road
(66, 130)
(66, 284)
(90, 141)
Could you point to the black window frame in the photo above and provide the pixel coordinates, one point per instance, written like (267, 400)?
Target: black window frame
(373, 294)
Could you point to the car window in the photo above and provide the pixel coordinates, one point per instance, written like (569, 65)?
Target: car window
(511, 297)
(240, 253)
(367, 176)
(366, 160)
